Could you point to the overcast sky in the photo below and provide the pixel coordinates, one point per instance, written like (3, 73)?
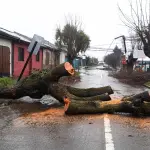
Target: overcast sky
(100, 18)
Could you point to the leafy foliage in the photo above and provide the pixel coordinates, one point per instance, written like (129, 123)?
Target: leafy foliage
(73, 39)
(114, 58)
(139, 22)
(91, 61)
(35, 76)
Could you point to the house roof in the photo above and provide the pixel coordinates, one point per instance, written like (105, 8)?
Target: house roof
(47, 43)
(19, 36)
(13, 35)
(139, 54)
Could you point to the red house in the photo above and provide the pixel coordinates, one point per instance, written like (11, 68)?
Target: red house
(13, 54)
(20, 56)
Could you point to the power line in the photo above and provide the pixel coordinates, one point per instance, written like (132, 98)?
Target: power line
(99, 47)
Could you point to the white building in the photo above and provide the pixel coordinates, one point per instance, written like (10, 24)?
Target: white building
(63, 56)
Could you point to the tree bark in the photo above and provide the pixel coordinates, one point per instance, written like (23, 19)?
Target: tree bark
(130, 68)
(36, 88)
(144, 96)
(48, 84)
(90, 91)
(95, 107)
(136, 104)
(103, 97)
(77, 101)
(59, 91)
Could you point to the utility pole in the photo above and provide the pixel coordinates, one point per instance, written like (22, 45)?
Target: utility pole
(123, 59)
(124, 42)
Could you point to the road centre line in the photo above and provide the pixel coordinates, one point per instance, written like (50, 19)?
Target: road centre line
(109, 144)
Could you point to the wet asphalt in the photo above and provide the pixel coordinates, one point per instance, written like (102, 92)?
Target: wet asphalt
(37, 127)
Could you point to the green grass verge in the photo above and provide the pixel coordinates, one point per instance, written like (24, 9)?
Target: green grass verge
(7, 82)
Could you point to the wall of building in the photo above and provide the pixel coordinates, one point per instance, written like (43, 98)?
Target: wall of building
(7, 43)
(18, 65)
(57, 58)
(62, 57)
(48, 58)
(37, 64)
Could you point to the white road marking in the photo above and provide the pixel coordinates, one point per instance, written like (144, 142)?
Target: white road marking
(108, 136)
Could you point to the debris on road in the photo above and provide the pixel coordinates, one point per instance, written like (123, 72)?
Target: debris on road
(76, 100)
(135, 104)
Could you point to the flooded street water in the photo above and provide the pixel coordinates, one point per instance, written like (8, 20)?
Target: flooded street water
(93, 77)
(40, 127)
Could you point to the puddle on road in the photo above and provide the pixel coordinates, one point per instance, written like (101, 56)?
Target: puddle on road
(96, 78)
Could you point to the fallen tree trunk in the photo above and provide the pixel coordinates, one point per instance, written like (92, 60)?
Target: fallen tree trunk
(77, 101)
(136, 105)
(103, 97)
(144, 96)
(37, 87)
(59, 91)
(94, 107)
(90, 91)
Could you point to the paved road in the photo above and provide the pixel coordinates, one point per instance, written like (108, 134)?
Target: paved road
(33, 127)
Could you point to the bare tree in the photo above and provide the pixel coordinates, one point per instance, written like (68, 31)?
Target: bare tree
(139, 21)
(133, 40)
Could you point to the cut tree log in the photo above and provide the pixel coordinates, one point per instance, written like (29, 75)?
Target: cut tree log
(37, 87)
(135, 106)
(103, 97)
(90, 91)
(77, 101)
(94, 107)
(59, 91)
(144, 96)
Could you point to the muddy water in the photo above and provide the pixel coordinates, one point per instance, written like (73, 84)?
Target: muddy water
(93, 77)
(35, 126)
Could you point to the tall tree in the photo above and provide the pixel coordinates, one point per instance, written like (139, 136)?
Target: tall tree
(114, 58)
(73, 39)
(139, 21)
(90, 61)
